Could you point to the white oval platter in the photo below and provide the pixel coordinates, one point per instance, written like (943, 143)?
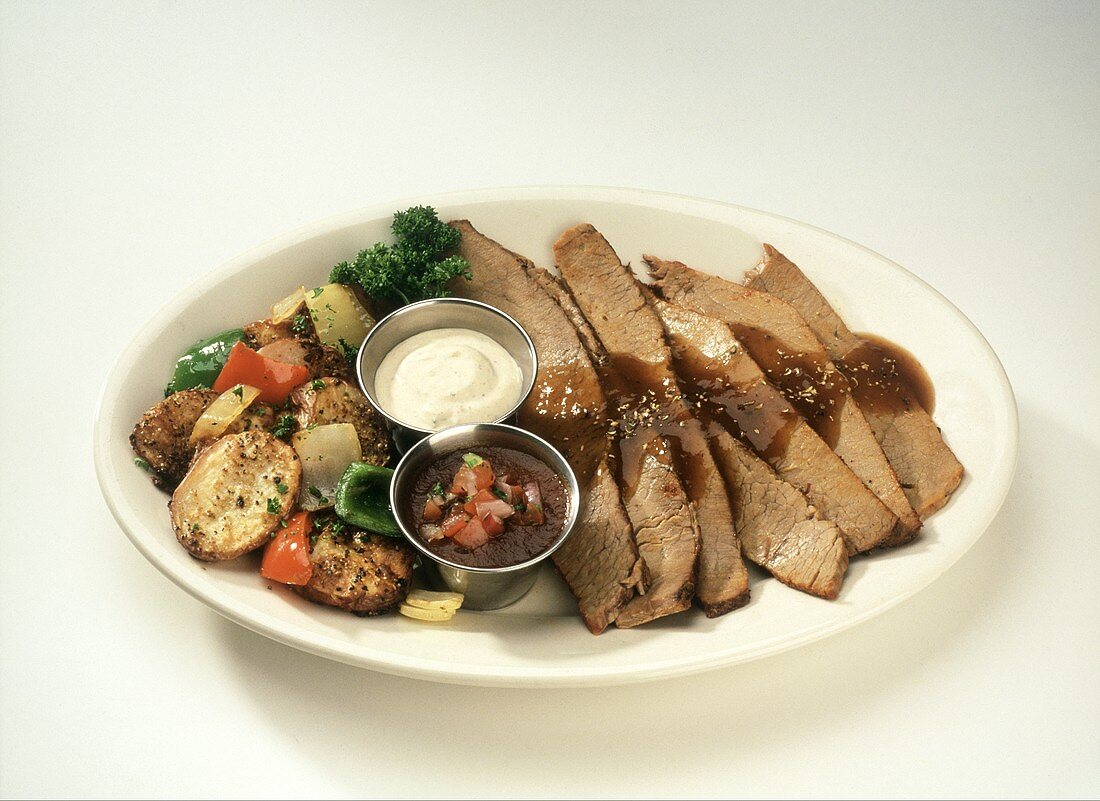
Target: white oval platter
(541, 641)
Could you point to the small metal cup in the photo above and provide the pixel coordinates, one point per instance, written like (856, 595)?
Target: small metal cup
(484, 587)
(428, 315)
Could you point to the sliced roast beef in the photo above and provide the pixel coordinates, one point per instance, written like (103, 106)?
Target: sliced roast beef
(557, 290)
(667, 533)
(792, 358)
(730, 391)
(925, 465)
(651, 414)
(600, 560)
(668, 545)
(779, 529)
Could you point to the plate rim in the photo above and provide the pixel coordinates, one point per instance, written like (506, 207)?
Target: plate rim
(485, 675)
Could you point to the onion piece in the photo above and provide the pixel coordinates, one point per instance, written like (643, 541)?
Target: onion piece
(325, 452)
(338, 316)
(494, 507)
(289, 306)
(220, 414)
(428, 599)
(431, 533)
(435, 615)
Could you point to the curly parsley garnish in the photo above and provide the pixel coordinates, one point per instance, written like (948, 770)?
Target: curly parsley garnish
(414, 267)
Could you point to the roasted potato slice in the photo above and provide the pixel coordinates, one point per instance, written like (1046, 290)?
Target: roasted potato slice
(257, 417)
(264, 332)
(325, 361)
(161, 435)
(363, 573)
(287, 350)
(234, 494)
(337, 401)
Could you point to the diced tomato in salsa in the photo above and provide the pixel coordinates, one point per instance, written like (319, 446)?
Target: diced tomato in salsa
(482, 496)
(480, 502)
(454, 522)
(433, 512)
(483, 476)
(472, 534)
(465, 482)
(492, 524)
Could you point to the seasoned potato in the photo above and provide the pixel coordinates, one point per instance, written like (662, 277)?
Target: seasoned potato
(161, 435)
(287, 350)
(323, 360)
(257, 416)
(234, 494)
(363, 573)
(264, 332)
(340, 402)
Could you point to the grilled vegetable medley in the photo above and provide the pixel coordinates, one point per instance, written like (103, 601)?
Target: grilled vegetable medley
(266, 443)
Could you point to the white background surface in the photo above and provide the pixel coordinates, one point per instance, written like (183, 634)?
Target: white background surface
(143, 144)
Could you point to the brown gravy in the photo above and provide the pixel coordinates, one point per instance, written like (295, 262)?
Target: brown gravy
(747, 409)
(886, 377)
(516, 544)
(647, 418)
(815, 388)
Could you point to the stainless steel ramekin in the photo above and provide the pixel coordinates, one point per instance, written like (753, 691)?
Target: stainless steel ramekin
(484, 587)
(428, 315)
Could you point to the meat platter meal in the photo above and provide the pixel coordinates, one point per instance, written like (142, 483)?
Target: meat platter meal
(648, 430)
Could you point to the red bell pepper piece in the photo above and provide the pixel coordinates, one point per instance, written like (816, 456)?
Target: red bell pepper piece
(286, 557)
(275, 380)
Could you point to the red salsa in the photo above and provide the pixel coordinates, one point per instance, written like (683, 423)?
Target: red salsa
(490, 507)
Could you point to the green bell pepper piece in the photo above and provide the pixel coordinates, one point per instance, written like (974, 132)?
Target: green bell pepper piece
(363, 498)
(201, 363)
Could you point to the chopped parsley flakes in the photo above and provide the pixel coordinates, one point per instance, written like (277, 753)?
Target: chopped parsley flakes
(285, 425)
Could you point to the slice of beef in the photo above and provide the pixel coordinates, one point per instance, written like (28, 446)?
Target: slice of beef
(599, 561)
(925, 465)
(669, 545)
(667, 533)
(779, 529)
(557, 290)
(779, 340)
(640, 381)
(729, 391)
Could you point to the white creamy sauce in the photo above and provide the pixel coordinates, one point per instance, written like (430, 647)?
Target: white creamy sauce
(447, 377)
